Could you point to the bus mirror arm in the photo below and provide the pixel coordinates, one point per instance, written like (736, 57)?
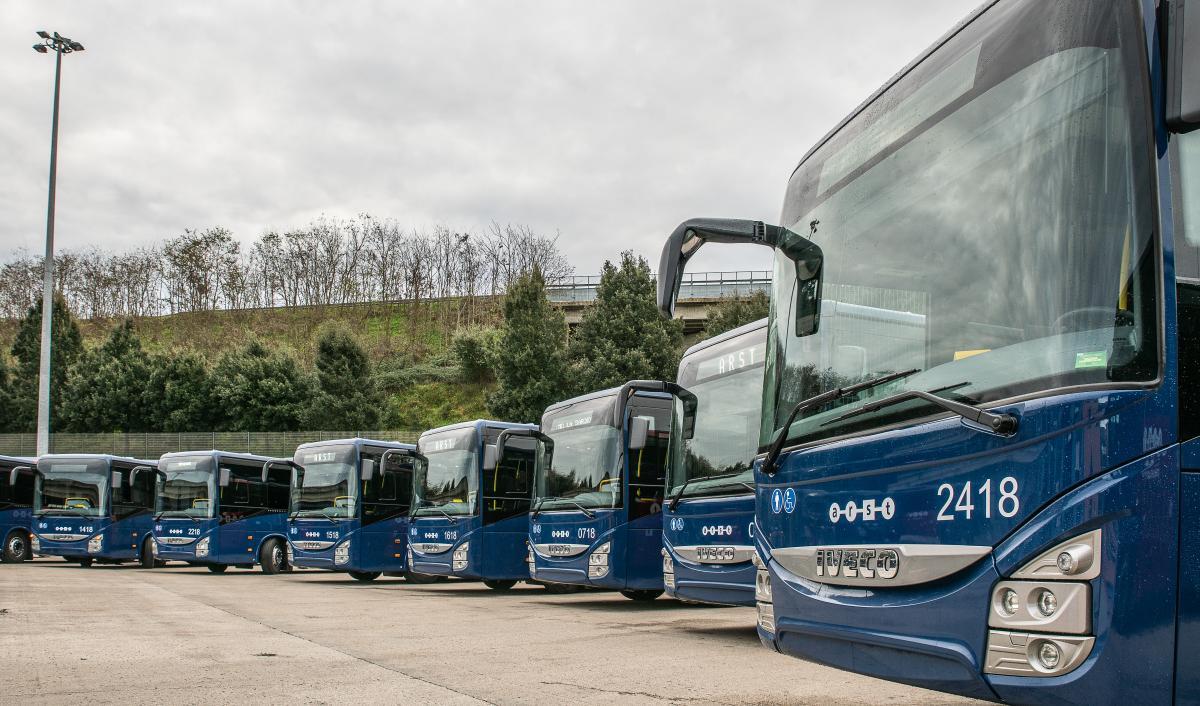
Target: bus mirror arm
(133, 472)
(502, 441)
(391, 454)
(16, 471)
(276, 462)
(690, 403)
(688, 236)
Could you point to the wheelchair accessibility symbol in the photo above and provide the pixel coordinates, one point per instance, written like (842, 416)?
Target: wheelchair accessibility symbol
(789, 500)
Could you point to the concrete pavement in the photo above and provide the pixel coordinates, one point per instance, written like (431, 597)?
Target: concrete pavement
(182, 635)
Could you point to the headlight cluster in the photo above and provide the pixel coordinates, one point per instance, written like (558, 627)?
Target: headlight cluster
(410, 559)
(35, 544)
(96, 544)
(154, 547)
(529, 560)
(459, 558)
(1040, 620)
(598, 561)
(290, 554)
(762, 595)
(202, 547)
(668, 568)
(341, 553)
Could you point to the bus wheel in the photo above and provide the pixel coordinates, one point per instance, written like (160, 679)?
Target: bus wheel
(272, 556)
(16, 548)
(641, 595)
(146, 559)
(364, 576)
(85, 562)
(499, 585)
(218, 568)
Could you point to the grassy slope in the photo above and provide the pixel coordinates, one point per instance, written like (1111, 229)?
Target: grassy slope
(386, 330)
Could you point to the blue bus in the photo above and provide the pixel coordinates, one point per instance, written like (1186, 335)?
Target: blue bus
(708, 520)
(1006, 506)
(16, 507)
(350, 503)
(94, 507)
(215, 509)
(597, 513)
(470, 508)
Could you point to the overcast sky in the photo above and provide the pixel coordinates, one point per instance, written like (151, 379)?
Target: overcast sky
(606, 122)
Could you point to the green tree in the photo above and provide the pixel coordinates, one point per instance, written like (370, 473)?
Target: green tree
(260, 390)
(475, 350)
(732, 312)
(530, 360)
(107, 390)
(623, 337)
(181, 394)
(8, 417)
(345, 396)
(66, 344)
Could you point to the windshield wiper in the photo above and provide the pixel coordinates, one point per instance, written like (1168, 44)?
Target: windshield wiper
(999, 423)
(431, 505)
(537, 508)
(679, 493)
(820, 400)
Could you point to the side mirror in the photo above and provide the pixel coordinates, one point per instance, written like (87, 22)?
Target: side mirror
(223, 477)
(491, 457)
(368, 469)
(284, 462)
(639, 432)
(16, 471)
(117, 479)
(1183, 65)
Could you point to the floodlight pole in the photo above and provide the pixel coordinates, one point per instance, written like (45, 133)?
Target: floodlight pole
(59, 45)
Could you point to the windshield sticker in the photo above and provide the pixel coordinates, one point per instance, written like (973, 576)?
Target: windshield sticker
(959, 355)
(1095, 359)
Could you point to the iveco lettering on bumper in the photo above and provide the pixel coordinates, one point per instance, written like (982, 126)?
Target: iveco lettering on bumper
(861, 563)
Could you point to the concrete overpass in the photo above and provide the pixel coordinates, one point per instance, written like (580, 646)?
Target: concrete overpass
(699, 292)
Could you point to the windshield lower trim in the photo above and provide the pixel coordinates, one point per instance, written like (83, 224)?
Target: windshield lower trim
(1148, 386)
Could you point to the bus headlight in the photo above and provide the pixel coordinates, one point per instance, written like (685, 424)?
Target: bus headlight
(96, 544)
(154, 547)
(460, 556)
(410, 558)
(35, 544)
(598, 561)
(668, 568)
(290, 555)
(202, 547)
(341, 553)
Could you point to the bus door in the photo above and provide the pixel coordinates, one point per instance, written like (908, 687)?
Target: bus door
(242, 496)
(649, 441)
(132, 510)
(507, 493)
(386, 493)
(1188, 630)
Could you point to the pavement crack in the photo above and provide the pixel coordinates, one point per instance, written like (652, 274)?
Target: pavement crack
(618, 692)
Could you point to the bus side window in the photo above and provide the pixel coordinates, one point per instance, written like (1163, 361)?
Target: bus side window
(648, 465)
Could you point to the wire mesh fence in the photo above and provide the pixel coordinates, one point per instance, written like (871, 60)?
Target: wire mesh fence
(151, 446)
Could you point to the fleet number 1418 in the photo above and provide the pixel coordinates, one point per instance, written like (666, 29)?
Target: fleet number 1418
(1006, 501)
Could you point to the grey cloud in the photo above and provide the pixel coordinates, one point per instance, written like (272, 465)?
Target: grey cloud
(607, 122)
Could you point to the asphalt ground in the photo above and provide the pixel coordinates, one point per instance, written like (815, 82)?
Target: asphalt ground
(119, 634)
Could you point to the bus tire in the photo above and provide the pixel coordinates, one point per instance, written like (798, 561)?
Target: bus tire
(364, 576)
(500, 585)
(641, 596)
(218, 568)
(85, 562)
(272, 557)
(146, 556)
(16, 547)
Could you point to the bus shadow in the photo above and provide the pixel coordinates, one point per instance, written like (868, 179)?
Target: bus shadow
(732, 633)
(616, 604)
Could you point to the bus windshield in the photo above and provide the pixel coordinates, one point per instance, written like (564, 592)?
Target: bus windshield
(327, 486)
(448, 484)
(188, 488)
(585, 469)
(986, 221)
(72, 487)
(727, 381)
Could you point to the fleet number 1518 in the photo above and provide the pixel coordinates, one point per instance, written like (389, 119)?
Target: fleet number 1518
(1007, 502)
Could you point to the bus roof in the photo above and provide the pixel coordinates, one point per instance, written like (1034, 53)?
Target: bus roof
(105, 457)
(19, 460)
(359, 441)
(479, 423)
(598, 395)
(721, 338)
(216, 452)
